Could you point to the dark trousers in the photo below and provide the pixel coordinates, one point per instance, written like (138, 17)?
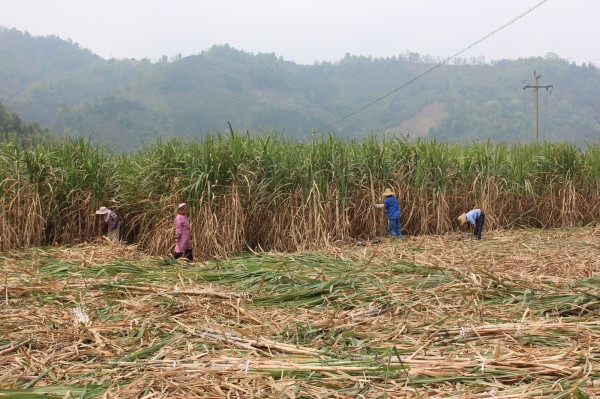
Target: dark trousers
(479, 225)
(186, 254)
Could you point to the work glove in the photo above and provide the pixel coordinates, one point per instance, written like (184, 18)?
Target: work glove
(378, 205)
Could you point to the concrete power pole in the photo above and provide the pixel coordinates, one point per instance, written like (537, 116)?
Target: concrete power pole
(536, 87)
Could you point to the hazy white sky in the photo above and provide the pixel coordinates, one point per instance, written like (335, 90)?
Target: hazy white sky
(315, 30)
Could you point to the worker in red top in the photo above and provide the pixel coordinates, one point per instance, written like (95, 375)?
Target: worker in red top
(183, 234)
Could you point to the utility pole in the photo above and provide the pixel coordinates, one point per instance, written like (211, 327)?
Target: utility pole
(536, 87)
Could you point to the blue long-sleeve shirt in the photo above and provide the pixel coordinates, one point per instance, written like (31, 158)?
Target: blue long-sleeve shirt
(473, 215)
(392, 207)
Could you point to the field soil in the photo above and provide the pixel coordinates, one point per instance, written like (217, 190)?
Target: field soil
(514, 315)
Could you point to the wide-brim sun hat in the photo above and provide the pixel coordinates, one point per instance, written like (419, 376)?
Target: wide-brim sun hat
(387, 192)
(102, 211)
(462, 219)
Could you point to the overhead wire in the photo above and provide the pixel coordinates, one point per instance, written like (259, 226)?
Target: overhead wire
(433, 68)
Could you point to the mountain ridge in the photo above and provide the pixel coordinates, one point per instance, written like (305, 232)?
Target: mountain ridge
(70, 89)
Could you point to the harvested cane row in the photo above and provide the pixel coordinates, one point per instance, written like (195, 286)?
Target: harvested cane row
(515, 315)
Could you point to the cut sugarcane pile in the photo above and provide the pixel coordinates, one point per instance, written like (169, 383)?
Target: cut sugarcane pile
(513, 316)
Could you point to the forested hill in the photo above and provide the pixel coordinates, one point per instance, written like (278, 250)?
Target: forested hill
(124, 102)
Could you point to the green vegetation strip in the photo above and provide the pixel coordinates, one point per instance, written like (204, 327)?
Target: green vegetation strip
(281, 193)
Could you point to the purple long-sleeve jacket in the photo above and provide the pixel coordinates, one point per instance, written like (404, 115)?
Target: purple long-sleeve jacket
(110, 221)
(183, 235)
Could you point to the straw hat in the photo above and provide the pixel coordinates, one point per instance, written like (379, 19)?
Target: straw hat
(102, 211)
(387, 192)
(462, 219)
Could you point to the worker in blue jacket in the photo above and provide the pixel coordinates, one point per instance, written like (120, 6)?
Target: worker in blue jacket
(392, 207)
(474, 218)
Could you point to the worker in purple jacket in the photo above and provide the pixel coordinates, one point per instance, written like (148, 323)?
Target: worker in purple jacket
(474, 218)
(392, 207)
(183, 234)
(110, 223)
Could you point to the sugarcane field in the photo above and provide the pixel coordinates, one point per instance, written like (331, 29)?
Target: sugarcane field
(298, 287)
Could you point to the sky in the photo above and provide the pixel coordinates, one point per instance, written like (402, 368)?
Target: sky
(311, 31)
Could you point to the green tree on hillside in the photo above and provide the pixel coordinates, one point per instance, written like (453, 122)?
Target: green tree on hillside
(12, 125)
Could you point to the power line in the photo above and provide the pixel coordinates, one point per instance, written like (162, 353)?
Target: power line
(434, 67)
